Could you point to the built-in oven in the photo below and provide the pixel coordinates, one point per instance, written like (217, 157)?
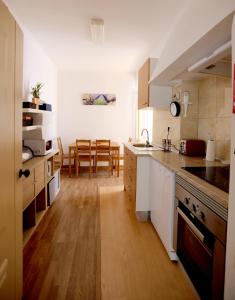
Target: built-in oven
(200, 239)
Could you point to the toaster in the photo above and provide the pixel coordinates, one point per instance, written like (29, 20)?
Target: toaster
(192, 147)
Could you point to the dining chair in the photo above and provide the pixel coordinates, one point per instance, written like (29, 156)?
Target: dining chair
(103, 154)
(83, 154)
(63, 156)
(116, 157)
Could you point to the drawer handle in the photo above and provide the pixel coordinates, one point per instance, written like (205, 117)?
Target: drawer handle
(26, 173)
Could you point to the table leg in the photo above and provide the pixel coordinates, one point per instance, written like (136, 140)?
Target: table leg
(70, 154)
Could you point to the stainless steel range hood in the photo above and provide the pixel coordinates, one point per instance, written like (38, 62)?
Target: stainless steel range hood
(218, 63)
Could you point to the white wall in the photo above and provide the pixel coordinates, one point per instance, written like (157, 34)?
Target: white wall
(198, 17)
(38, 67)
(230, 255)
(76, 120)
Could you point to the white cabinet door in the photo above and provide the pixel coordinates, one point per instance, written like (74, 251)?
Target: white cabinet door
(155, 192)
(166, 221)
(162, 199)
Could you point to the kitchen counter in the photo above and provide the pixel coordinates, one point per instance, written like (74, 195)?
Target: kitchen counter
(175, 162)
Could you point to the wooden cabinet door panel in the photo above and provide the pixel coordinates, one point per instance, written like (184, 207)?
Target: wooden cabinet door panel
(39, 178)
(10, 123)
(143, 86)
(28, 188)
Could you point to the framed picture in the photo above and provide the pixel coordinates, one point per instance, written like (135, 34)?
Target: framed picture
(99, 99)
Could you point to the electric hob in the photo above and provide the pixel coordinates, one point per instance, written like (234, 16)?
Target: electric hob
(217, 176)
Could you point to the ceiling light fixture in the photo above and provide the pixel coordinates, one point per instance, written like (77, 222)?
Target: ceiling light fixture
(97, 30)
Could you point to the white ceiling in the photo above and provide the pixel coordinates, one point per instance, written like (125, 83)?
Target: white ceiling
(132, 29)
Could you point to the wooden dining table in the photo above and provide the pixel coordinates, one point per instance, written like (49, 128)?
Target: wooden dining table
(115, 149)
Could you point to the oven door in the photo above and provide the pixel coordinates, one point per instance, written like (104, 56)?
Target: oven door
(195, 251)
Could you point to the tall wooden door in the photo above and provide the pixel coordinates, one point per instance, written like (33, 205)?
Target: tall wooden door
(10, 157)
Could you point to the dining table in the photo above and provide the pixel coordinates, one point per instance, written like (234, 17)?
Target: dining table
(115, 149)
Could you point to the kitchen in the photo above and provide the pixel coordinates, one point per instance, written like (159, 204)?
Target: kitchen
(169, 234)
(187, 193)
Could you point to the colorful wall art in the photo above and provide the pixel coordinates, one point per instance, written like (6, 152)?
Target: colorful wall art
(98, 99)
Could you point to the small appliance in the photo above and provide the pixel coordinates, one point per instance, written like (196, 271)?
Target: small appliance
(39, 147)
(192, 147)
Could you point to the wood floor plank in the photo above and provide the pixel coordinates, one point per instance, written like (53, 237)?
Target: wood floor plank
(62, 259)
(134, 264)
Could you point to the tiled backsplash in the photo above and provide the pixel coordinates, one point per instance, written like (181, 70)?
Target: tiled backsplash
(209, 115)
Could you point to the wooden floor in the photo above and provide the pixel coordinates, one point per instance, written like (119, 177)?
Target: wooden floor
(134, 264)
(83, 251)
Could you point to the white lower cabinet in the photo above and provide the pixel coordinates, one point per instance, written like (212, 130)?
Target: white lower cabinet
(162, 204)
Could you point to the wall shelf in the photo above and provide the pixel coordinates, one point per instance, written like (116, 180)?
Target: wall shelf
(35, 111)
(32, 127)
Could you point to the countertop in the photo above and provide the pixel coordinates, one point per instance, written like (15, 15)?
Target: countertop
(175, 161)
(36, 160)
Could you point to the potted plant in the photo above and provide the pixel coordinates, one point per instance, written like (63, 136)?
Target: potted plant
(36, 91)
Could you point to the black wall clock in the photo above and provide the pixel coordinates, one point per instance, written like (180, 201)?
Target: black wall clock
(175, 108)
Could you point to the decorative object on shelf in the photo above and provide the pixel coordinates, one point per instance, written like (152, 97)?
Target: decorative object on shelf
(27, 120)
(28, 104)
(175, 108)
(98, 99)
(45, 106)
(36, 91)
(185, 102)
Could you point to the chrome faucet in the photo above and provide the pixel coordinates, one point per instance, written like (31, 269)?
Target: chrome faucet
(147, 141)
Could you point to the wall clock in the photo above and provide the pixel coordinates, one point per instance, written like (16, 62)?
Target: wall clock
(175, 108)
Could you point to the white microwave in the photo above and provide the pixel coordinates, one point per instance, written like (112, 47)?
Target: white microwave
(39, 147)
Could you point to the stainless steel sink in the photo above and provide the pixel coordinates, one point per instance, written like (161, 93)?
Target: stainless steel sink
(144, 147)
(139, 145)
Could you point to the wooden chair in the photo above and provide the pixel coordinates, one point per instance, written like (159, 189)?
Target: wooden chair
(116, 161)
(83, 154)
(103, 154)
(62, 155)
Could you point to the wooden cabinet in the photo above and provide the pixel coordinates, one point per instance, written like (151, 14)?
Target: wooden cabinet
(151, 95)
(28, 188)
(130, 169)
(35, 192)
(143, 85)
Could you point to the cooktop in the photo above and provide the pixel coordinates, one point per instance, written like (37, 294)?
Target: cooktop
(217, 176)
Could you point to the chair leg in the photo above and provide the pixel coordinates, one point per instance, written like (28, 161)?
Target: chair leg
(118, 167)
(111, 166)
(90, 168)
(76, 166)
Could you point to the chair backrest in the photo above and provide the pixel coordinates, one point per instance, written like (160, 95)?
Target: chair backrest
(103, 147)
(59, 143)
(83, 147)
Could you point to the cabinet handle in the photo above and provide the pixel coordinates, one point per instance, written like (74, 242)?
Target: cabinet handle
(26, 173)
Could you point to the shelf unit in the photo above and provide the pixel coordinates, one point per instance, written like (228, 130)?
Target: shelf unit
(35, 195)
(32, 127)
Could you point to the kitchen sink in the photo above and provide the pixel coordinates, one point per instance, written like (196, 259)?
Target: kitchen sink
(139, 145)
(144, 147)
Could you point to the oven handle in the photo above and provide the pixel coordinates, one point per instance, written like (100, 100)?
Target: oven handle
(194, 229)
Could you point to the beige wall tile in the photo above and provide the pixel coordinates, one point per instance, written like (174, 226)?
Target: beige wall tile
(206, 128)
(207, 98)
(161, 120)
(223, 97)
(189, 128)
(223, 128)
(223, 149)
(208, 116)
